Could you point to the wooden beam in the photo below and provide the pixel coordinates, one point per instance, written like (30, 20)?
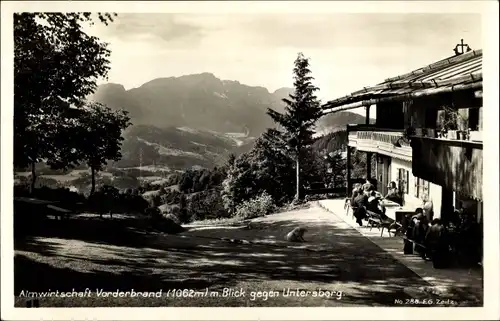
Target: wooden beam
(369, 165)
(348, 172)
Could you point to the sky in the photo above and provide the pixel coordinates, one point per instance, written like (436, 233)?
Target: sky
(346, 51)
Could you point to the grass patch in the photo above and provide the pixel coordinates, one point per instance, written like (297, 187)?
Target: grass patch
(219, 221)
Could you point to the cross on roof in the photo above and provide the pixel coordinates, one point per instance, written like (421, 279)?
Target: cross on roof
(461, 45)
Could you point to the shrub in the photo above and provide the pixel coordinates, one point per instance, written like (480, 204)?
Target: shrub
(261, 205)
(105, 199)
(173, 218)
(134, 203)
(203, 205)
(163, 223)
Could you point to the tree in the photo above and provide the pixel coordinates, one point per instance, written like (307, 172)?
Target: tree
(238, 183)
(301, 113)
(265, 168)
(56, 65)
(336, 164)
(230, 160)
(98, 136)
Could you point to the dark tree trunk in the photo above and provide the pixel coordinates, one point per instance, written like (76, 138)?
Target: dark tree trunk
(92, 189)
(33, 178)
(298, 195)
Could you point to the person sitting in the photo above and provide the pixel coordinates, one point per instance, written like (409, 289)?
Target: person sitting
(418, 211)
(408, 223)
(374, 204)
(349, 202)
(437, 244)
(360, 204)
(470, 239)
(393, 193)
(368, 186)
(428, 207)
(418, 234)
(355, 192)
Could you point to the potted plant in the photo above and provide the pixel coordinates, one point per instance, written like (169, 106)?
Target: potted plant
(431, 133)
(450, 119)
(463, 124)
(452, 134)
(408, 133)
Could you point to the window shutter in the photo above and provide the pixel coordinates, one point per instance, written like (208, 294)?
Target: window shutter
(400, 180)
(407, 182)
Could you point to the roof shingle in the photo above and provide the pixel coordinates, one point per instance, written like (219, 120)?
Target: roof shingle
(457, 70)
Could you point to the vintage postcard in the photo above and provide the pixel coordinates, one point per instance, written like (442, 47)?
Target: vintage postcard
(293, 160)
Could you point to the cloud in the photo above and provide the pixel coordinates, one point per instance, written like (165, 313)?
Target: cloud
(164, 27)
(358, 30)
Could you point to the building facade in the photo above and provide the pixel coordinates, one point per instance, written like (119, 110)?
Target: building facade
(428, 134)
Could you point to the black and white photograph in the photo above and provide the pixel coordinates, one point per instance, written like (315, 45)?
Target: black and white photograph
(244, 158)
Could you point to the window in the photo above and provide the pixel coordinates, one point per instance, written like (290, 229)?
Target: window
(474, 118)
(403, 178)
(421, 187)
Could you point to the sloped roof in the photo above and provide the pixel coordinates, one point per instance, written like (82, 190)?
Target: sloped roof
(457, 70)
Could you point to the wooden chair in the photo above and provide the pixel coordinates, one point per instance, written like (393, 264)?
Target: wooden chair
(347, 205)
(376, 220)
(349, 208)
(393, 225)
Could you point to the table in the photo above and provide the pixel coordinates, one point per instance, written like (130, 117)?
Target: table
(398, 212)
(388, 203)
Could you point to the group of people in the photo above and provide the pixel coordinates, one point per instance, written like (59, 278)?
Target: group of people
(365, 198)
(436, 239)
(467, 237)
(432, 238)
(427, 239)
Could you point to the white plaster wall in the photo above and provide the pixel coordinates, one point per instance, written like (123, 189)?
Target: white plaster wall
(435, 194)
(410, 199)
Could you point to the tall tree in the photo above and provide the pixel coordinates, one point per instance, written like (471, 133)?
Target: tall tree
(56, 64)
(98, 135)
(302, 111)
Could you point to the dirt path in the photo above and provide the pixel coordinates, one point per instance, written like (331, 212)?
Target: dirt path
(336, 260)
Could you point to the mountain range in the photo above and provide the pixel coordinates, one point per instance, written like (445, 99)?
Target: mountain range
(197, 119)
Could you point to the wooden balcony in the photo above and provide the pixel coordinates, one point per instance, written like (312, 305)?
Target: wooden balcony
(451, 163)
(368, 138)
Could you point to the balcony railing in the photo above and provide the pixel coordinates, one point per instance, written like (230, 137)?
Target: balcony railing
(379, 140)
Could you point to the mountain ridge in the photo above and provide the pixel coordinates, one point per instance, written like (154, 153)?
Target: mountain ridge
(221, 116)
